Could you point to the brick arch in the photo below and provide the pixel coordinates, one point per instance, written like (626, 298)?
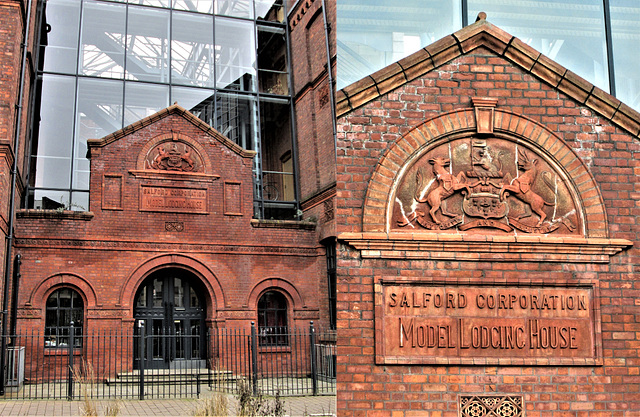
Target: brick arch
(415, 143)
(177, 137)
(207, 278)
(284, 286)
(48, 285)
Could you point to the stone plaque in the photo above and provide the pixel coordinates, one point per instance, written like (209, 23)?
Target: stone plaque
(173, 199)
(438, 323)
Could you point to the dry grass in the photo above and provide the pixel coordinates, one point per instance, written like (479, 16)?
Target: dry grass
(218, 405)
(85, 375)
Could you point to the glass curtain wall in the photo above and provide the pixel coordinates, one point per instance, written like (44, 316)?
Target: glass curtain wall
(590, 37)
(110, 63)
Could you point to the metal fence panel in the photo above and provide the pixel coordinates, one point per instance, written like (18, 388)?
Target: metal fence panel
(107, 364)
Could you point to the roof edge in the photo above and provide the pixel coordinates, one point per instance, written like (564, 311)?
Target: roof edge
(173, 109)
(484, 34)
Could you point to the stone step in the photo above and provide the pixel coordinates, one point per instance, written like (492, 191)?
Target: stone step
(169, 376)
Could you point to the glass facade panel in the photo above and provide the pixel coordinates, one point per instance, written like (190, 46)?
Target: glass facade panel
(375, 33)
(155, 3)
(127, 59)
(102, 42)
(193, 99)
(192, 49)
(99, 113)
(625, 28)
(148, 44)
(236, 118)
(202, 6)
(235, 54)
(56, 128)
(570, 32)
(236, 8)
(142, 100)
(64, 18)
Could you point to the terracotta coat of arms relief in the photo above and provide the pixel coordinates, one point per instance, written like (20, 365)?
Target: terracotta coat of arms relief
(488, 184)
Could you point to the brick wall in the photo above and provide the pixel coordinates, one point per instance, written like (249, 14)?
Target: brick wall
(610, 154)
(106, 254)
(315, 141)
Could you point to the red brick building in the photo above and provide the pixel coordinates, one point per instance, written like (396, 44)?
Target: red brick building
(170, 238)
(487, 217)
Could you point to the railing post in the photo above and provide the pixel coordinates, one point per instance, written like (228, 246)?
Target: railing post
(70, 363)
(254, 358)
(314, 368)
(141, 361)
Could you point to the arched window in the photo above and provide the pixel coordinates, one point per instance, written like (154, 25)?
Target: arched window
(272, 319)
(63, 306)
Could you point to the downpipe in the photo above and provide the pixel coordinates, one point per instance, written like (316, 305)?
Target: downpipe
(12, 208)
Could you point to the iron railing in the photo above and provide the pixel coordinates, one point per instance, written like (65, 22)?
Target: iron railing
(107, 364)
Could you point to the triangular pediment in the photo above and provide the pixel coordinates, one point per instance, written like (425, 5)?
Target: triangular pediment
(483, 34)
(175, 109)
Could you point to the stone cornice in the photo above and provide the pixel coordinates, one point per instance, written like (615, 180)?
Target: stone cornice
(469, 247)
(484, 34)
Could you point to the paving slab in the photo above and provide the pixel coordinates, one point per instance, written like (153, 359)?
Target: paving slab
(318, 406)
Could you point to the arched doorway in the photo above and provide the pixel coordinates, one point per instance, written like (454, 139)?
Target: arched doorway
(170, 307)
